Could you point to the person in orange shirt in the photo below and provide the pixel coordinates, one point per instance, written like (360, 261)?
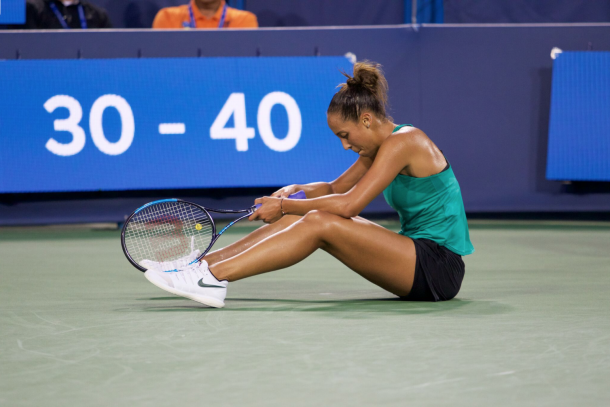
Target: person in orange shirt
(204, 14)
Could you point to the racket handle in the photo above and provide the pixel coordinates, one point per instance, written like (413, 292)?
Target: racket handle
(296, 195)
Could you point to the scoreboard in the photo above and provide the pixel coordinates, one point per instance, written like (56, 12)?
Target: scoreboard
(129, 124)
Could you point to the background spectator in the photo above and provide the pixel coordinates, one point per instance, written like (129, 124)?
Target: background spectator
(64, 14)
(204, 14)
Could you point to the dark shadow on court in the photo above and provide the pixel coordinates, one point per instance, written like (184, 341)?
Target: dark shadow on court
(358, 307)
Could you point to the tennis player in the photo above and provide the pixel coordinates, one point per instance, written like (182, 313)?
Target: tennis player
(423, 262)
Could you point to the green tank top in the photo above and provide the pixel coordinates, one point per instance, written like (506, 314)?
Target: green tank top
(431, 208)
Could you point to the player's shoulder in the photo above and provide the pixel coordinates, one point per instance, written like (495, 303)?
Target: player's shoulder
(407, 143)
(407, 136)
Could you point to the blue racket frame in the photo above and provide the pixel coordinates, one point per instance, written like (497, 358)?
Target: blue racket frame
(215, 236)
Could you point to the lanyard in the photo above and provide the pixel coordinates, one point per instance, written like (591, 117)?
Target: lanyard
(81, 15)
(193, 25)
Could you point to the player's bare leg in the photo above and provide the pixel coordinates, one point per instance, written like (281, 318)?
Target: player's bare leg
(248, 241)
(253, 238)
(383, 257)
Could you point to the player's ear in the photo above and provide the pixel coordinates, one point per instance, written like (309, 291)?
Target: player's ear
(366, 119)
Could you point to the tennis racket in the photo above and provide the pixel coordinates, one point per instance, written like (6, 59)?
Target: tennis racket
(170, 233)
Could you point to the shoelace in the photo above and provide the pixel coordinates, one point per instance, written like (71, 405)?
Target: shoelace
(180, 263)
(195, 271)
(186, 277)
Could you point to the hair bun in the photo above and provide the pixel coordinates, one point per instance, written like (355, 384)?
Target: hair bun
(367, 75)
(366, 90)
(351, 81)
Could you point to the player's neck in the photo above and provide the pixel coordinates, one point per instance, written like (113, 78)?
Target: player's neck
(388, 127)
(383, 130)
(208, 7)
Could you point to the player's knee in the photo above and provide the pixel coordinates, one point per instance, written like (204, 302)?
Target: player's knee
(321, 222)
(317, 217)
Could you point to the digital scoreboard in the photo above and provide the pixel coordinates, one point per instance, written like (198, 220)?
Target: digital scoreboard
(140, 124)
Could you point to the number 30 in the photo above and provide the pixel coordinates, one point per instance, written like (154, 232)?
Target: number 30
(71, 125)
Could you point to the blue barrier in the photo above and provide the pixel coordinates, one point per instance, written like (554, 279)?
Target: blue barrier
(482, 94)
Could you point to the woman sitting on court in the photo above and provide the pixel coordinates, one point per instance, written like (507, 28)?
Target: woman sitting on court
(421, 263)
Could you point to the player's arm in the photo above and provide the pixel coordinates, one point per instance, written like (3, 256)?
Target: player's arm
(397, 152)
(341, 185)
(393, 155)
(350, 178)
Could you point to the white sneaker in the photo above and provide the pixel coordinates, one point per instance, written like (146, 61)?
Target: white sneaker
(194, 282)
(175, 265)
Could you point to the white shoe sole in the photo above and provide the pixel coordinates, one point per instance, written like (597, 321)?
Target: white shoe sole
(210, 301)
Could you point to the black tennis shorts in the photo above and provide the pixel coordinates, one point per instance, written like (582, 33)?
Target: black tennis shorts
(438, 272)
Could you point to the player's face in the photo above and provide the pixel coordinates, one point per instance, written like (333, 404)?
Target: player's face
(353, 135)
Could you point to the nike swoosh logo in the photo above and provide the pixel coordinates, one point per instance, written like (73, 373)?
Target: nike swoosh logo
(200, 283)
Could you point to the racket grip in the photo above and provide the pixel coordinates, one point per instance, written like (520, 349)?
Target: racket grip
(296, 195)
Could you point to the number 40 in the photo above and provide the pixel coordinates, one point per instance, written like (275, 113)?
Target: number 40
(241, 133)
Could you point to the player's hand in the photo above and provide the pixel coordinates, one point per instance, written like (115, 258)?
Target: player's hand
(286, 191)
(270, 210)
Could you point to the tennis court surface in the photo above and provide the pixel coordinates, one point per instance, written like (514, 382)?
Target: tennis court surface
(531, 327)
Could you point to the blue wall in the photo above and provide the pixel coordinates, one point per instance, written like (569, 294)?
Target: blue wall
(486, 94)
(526, 11)
(481, 93)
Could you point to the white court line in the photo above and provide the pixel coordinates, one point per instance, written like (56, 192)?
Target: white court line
(172, 128)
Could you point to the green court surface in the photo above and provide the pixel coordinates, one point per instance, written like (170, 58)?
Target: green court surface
(530, 327)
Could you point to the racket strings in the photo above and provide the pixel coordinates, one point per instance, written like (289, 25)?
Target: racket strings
(168, 231)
